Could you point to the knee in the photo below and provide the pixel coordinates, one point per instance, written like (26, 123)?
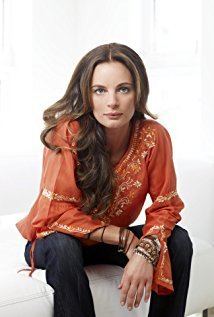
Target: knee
(64, 249)
(180, 244)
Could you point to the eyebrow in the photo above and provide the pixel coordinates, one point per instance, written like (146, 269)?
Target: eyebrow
(98, 85)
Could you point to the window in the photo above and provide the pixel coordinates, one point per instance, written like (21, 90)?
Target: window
(175, 70)
(15, 72)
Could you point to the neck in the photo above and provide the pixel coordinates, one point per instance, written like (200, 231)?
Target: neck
(118, 139)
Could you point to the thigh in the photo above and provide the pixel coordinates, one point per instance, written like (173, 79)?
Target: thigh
(39, 254)
(103, 253)
(58, 247)
(179, 242)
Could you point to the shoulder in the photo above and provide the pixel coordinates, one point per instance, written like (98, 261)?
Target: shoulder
(67, 128)
(64, 134)
(154, 127)
(153, 133)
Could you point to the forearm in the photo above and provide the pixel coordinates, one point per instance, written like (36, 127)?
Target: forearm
(110, 236)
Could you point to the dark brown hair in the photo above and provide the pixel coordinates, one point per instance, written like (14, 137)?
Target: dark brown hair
(94, 174)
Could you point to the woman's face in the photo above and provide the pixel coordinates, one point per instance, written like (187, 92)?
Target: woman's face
(112, 95)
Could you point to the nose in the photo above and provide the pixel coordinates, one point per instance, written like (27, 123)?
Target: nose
(112, 100)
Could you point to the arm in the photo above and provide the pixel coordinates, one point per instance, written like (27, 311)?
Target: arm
(57, 206)
(161, 218)
(164, 212)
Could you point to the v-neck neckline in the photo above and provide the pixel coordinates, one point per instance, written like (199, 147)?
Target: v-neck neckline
(124, 158)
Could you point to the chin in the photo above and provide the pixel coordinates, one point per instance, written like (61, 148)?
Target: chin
(114, 124)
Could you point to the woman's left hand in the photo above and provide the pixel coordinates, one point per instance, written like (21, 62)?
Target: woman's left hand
(137, 275)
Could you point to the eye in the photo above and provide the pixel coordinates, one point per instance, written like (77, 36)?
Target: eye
(99, 91)
(124, 89)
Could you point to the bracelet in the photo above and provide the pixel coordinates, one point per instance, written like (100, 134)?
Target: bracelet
(123, 238)
(152, 239)
(142, 251)
(143, 255)
(129, 245)
(149, 248)
(126, 239)
(89, 234)
(102, 234)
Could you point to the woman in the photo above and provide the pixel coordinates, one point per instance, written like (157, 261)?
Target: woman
(101, 158)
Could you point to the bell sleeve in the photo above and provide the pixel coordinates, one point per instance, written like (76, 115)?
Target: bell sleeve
(56, 208)
(164, 212)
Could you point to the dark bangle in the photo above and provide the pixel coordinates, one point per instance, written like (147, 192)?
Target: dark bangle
(123, 239)
(129, 244)
(120, 239)
(102, 234)
(126, 239)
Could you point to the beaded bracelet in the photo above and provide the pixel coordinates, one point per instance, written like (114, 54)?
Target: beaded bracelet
(155, 241)
(149, 248)
(143, 255)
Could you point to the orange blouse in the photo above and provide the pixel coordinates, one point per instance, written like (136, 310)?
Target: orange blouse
(146, 167)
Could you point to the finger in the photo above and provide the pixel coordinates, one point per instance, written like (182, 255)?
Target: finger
(121, 282)
(148, 288)
(139, 294)
(131, 295)
(124, 291)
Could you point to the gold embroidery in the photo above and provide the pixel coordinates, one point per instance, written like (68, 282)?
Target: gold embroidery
(132, 148)
(137, 184)
(54, 196)
(162, 277)
(135, 166)
(144, 154)
(161, 228)
(166, 280)
(129, 172)
(169, 196)
(149, 138)
(44, 233)
(68, 228)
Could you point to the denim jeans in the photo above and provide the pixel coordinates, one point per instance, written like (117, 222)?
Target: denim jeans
(64, 257)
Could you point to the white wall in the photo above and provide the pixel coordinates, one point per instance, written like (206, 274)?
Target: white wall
(208, 76)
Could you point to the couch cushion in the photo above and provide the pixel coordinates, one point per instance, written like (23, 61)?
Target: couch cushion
(201, 287)
(104, 280)
(22, 296)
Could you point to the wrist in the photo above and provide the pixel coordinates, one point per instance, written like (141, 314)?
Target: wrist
(149, 249)
(126, 241)
(107, 234)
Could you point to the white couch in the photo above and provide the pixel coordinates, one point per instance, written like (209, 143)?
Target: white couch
(21, 295)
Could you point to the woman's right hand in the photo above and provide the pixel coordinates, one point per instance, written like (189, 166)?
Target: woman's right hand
(134, 243)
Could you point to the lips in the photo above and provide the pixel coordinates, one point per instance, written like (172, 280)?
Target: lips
(113, 114)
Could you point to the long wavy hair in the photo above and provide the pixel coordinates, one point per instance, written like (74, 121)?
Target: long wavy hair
(94, 173)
